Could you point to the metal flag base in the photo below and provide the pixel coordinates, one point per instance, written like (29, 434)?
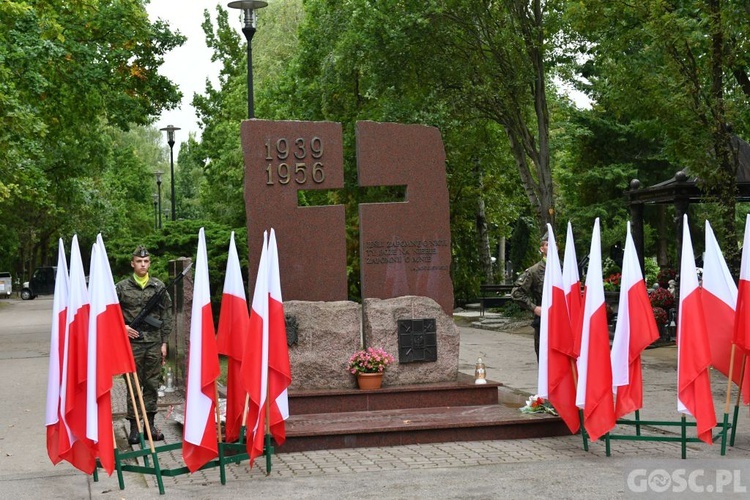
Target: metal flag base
(724, 427)
(229, 453)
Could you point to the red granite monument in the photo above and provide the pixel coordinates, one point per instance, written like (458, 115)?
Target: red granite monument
(405, 247)
(282, 158)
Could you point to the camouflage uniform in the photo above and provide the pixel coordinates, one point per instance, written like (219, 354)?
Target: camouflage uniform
(147, 349)
(527, 292)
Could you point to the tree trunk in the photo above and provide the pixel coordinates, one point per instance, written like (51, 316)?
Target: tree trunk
(483, 233)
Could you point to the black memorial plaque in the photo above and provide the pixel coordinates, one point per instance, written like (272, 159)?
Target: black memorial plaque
(417, 340)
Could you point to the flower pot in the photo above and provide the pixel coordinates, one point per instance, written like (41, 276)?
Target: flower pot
(369, 381)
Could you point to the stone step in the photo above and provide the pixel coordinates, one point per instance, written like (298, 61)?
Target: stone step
(462, 392)
(415, 426)
(399, 415)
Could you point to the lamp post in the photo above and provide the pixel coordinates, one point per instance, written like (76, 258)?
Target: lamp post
(156, 210)
(170, 130)
(158, 175)
(249, 7)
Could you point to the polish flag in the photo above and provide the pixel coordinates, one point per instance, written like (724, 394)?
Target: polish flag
(594, 391)
(719, 302)
(73, 445)
(555, 380)
(57, 340)
(279, 369)
(200, 442)
(234, 323)
(634, 331)
(741, 334)
(109, 354)
(693, 350)
(255, 359)
(572, 287)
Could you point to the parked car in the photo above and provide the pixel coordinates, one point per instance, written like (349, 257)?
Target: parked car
(6, 284)
(42, 283)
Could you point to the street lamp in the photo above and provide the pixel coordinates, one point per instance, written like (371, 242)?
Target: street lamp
(158, 175)
(170, 130)
(156, 210)
(249, 7)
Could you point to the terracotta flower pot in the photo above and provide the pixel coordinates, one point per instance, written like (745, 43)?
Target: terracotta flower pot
(369, 381)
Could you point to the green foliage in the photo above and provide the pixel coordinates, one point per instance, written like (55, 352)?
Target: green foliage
(72, 72)
(513, 310)
(177, 240)
(679, 73)
(651, 271)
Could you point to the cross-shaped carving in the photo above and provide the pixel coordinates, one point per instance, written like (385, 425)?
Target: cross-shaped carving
(404, 247)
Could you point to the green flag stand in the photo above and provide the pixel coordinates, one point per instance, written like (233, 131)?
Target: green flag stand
(683, 439)
(725, 428)
(228, 453)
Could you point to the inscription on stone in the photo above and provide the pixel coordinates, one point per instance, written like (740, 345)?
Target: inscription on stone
(417, 340)
(418, 253)
(405, 247)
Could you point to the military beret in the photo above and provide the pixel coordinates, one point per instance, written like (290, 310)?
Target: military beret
(140, 251)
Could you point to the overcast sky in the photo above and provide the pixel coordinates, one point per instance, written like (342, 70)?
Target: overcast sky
(189, 65)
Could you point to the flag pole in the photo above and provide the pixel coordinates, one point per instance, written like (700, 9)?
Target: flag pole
(143, 410)
(133, 402)
(580, 411)
(218, 411)
(728, 399)
(729, 380)
(243, 430)
(268, 448)
(739, 397)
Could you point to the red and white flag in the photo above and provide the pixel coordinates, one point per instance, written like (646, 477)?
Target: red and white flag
(279, 369)
(594, 390)
(200, 439)
(73, 445)
(693, 351)
(572, 287)
(57, 340)
(719, 302)
(741, 334)
(255, 360)
(234, 324)
(634, 331)
(556, 376)
(109, 354)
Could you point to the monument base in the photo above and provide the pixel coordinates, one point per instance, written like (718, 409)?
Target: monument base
(411, 414)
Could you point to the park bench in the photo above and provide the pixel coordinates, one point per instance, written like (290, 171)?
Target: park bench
(493, 295)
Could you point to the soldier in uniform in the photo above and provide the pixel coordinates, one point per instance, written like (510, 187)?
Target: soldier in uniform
(149, 342)
(527, 291)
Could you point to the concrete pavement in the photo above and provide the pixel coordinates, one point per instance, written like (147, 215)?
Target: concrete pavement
(527, 468)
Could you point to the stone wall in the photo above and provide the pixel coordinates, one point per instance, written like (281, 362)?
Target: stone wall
(380, 330)
(329, 332)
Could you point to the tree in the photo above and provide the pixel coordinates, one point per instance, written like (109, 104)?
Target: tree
(504, 49)
(667, 65)
(69, 71)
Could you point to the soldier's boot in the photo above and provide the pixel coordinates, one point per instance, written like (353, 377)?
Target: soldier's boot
(156, 434)
(133, 437)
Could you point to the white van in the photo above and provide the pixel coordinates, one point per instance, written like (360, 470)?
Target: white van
(6, 285)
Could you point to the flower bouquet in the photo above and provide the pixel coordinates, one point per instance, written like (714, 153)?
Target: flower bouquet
(661, 297)
(370, 360)
(537, 404)
(660, 315)
(612, 282)
(665, 276)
